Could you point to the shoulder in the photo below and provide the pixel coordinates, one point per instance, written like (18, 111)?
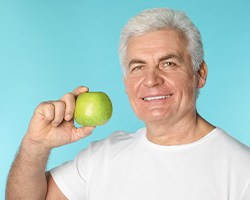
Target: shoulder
(123, 138)
(232, 144)
(233, 148)
(116, 142)
(237, 157)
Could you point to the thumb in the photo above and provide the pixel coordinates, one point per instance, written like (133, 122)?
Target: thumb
(82, 132)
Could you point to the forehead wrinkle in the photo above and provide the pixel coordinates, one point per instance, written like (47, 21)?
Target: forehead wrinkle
(149, 48)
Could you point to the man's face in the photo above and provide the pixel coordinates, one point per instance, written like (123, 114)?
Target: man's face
(160, 81)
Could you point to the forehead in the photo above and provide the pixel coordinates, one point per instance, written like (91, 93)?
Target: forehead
(162, 41)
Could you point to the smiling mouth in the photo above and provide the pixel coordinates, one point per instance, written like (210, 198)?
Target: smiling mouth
(156, 97)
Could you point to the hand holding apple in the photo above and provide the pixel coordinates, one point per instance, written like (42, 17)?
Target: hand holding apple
(52, 124)
(93, 109)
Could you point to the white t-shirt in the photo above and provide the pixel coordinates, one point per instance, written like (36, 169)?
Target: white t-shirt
(130, 167)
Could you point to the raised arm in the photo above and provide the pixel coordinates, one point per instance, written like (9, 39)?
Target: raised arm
(51, 126)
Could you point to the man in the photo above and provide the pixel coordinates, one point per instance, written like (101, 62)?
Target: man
(177, 156)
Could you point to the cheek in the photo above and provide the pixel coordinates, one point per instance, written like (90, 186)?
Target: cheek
(132, 84)
(185, 84)
(190, 90)
(131, 88)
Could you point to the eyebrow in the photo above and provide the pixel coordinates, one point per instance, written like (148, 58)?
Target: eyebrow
(136, 61)
(169, 56)
(166, 57)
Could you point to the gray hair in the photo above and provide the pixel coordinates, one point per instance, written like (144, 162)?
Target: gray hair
(160, 19)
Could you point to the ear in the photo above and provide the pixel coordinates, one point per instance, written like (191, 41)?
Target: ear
(202, 74)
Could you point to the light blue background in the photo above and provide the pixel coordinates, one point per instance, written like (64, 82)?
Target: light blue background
(49, 47)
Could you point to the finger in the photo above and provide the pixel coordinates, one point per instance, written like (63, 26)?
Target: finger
(79, 90)
(46, 110)
(59, 112)
(69, 100)
(82, 132)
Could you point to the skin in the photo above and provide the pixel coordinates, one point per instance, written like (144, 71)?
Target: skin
(159, 64)
(51, 126)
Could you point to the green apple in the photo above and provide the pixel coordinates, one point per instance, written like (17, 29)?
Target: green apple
(93, 109)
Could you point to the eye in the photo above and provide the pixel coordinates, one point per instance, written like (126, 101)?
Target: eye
(136, 68)
(169, 65)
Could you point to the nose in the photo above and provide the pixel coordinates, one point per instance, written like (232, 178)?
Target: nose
(153, 78)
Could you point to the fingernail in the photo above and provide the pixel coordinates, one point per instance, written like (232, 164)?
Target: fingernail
(68, 117)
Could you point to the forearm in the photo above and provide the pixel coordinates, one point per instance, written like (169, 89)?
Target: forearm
(51, 126)
(27, 179)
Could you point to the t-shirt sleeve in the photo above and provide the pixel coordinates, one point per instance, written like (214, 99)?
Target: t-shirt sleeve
(71, 177)
(68, 179)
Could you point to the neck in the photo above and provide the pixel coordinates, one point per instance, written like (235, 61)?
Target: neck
(184, 131)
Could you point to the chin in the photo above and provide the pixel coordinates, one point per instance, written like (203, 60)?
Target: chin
(154, 117)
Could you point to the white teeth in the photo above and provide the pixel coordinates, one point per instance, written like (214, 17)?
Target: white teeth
(156, 98)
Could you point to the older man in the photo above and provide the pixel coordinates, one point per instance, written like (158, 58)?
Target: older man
(177, 156)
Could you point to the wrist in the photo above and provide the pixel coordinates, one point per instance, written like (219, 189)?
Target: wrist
(34, 148)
